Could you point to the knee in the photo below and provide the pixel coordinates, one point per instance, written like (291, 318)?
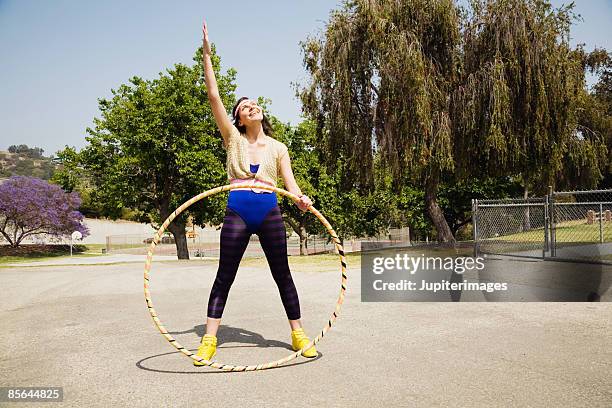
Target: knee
(222, 284)
(282, 276)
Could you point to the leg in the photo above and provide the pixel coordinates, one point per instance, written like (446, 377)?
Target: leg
(295, 324)
(234, 240)
(274, 243)
(212, 326)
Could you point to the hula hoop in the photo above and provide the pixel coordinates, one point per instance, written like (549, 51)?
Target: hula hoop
(229, 367)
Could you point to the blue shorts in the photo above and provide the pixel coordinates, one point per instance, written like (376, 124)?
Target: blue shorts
(251, 207)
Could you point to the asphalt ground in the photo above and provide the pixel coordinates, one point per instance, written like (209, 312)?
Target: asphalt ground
(86, 328)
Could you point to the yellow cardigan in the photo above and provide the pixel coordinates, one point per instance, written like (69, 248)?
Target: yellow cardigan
(238, 166)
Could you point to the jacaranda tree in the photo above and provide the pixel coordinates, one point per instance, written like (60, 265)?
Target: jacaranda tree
(30, 206)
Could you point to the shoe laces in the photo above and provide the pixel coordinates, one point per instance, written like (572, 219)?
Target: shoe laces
(209, 341)
(300, 335)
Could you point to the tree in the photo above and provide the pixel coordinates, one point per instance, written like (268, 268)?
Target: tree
(516, 109)
(380, 81)
(595, 117)
(71, 176)
(456, 196)
(349, 212)
(304, 164)
(31, 206)
(34, 152)
(437, 90)
(156, 145)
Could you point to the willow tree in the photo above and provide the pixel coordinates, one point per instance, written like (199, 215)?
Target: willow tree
(437, 89)
(522, 88)
(380, 80)
(595, 117)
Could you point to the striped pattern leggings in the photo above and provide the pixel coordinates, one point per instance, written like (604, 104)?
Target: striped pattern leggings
(234, 240)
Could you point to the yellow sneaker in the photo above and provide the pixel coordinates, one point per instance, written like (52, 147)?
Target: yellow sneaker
(299, 340)
(207, 349)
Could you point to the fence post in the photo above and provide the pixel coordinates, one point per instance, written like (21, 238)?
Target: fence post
(601, 216)
(552, 226)
(474, 226)
(546, 246)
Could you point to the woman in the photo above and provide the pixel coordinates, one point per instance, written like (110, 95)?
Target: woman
(255, 157)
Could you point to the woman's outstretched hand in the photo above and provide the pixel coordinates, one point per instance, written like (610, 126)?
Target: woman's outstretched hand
(205, 43)
(304, 202)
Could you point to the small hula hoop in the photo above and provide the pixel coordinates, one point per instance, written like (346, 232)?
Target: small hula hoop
(229, 367)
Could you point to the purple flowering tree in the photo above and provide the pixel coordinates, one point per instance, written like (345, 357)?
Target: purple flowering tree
(31, 206)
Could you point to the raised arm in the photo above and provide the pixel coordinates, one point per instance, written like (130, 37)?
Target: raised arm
(219, 112)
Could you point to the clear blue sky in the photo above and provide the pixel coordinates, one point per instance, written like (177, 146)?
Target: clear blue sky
(60, 56)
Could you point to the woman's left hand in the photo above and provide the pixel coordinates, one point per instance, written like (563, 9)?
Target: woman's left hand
(304, 202)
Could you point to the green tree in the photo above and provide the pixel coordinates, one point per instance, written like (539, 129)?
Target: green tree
(436, 89)
(516, 109)
(33, 153)
(351, 213)
(156, 145)
(456, 196)
(380, 80)
(71, 176)
(304, 164)
(595, 116)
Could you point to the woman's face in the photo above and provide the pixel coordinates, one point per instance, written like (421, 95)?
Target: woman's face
(249, 113)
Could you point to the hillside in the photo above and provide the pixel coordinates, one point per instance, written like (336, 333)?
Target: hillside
(22, 164)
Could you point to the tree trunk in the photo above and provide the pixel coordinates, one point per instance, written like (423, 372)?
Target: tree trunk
(176, 228)
(180, 239)
(435, 212)
(303, 237)
(8, 239)
(299, 229)
(526, 221)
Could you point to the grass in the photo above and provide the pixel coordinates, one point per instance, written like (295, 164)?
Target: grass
(30, 252)
(331, 262)
(94, 249)
(570, 231)
(574, 231)
(125, 246)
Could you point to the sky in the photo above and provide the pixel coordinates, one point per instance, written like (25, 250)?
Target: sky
(60, 56)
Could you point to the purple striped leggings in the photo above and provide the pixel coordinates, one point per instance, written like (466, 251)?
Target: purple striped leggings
(234, 240)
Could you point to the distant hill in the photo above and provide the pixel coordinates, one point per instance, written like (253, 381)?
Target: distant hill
(26, 164)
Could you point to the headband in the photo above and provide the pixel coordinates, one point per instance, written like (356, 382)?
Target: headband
(239, 105)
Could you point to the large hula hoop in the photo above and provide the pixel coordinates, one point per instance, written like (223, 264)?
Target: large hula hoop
(229, 367)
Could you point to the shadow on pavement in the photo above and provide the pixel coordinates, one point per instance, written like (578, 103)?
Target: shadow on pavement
(226, 334)
(229, 334)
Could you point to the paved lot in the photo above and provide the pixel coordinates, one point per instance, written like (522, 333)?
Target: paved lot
(86, 328)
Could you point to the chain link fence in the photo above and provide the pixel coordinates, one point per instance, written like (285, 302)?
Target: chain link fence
(205, 243)
(203, 247)
(511, 226)
(581, 224)
(569, 225)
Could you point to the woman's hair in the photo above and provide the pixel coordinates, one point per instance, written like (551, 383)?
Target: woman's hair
(265, 123)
